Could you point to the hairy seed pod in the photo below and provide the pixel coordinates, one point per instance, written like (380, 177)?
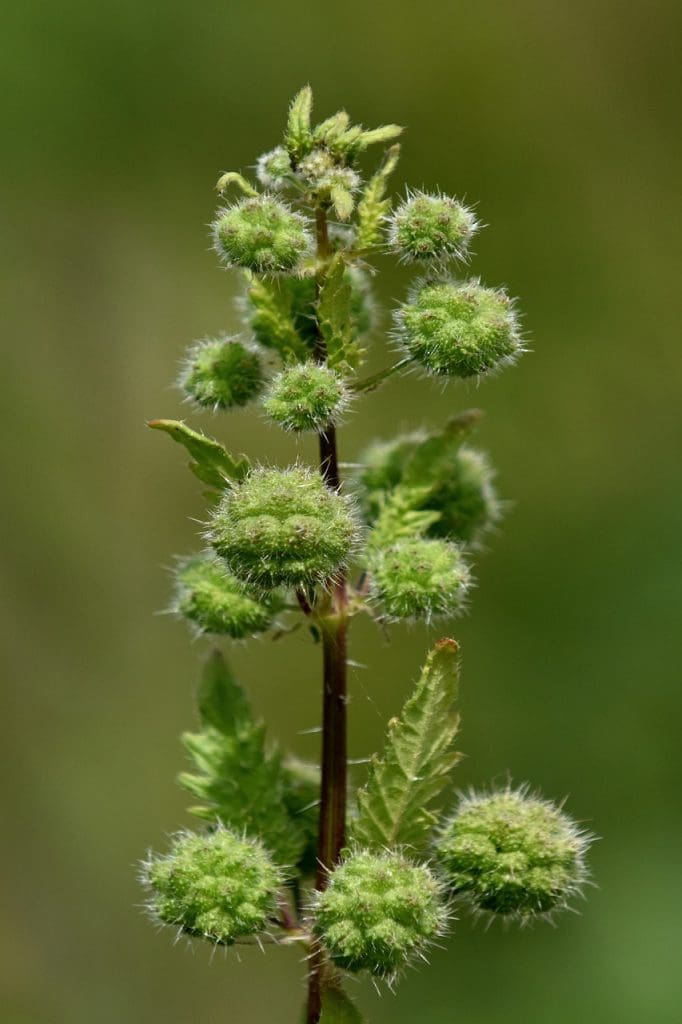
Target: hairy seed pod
(420, 579)
(273, 168)
(284, 528)
(512, 854)
(261, 234)
(431, 227)
(221, 373)
(459, 329)
(306, 396)
(378, 912)
(216, 602)
(218, 885)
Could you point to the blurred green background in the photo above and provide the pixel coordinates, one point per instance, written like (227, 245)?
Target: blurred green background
(558, 120)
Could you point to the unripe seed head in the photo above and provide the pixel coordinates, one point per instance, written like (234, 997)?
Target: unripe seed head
(431, 227)
(420, 579)
(306, 396)
(273, 168)
(321, 172)
(459, 329)
(462, 491)
(216, 602)
(221, 373)
(378, 912)
(284, 528)
(261, 234)
(513, 854)
(217, 885)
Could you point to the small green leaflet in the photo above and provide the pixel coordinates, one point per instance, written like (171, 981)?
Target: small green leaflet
(395, 807)
(424, 462)
(234, 178)
(239, 781)
(274, 318)
(334, 318)
(337, 1008)
(212, 464)
(298, 137)
(373, 206)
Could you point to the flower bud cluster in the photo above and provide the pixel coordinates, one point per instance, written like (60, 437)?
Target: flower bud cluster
(284, 528)
(378, 912)
(217, 885)
(306, 396)
(216, 602)
(222, 373)
(512, 854)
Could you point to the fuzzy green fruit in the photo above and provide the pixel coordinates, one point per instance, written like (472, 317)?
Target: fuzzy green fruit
(284, 528)
(378, 912)
(218, 603)
(306, 396)
(261, 234)
(217, 885)
(420, 579)
(513, 854)
(459, 329)
(222, 373)
(431, 227)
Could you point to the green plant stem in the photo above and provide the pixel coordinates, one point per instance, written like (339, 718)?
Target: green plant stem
(334, 627)
(370, 383)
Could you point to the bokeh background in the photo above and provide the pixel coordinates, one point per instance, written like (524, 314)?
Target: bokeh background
(561, 122)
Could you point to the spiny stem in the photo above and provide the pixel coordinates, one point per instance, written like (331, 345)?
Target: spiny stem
(334, 654)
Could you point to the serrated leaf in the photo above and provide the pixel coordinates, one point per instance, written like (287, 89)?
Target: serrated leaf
(396, 805)
(342, 201)
(334, 317)
(337, 1008)
(438, 446)
(400, 517)
(298, 137)
(274, 319)
(373, 206)
(234, 178)
(212, 463)
(237, 779)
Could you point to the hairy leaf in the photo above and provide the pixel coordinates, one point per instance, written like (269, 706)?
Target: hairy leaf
(298, 137)
(330, 129)
(275, 318)
(438, 447)
(400, 517)
(386, 133)
(212, 463)
(238, 780)
(396, 804)
(234, 178)
(334, 317)
(373, 206)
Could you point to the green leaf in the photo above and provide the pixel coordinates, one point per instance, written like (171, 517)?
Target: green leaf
(387, 133)
(342, 201)
(373, 206)
(437, 448)
(212, 463)
(298, 137)
(337, 1008)
(329, 130)
(274, 317)
(396, 804)
(334, 317)
(400, 516)
(234, 178)
(237, 779)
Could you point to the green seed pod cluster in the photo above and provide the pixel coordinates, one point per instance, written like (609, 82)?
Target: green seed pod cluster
(216, 602)
(379, 912)
(420, 579)
(459, 329)
(513, 854)
(261, 234)
(432, 228)
(306, 396)
(218, 885)
(273, 169)
(446, 477)
(222, 373)
(284, 528)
